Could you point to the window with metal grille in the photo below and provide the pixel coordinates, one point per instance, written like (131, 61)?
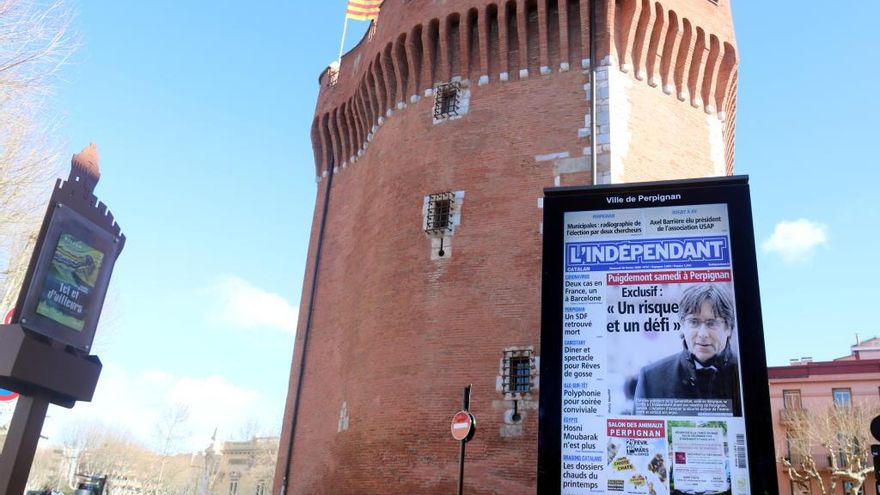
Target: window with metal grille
(332, 77)
(518, 372)
(439, 217)
(446, 100)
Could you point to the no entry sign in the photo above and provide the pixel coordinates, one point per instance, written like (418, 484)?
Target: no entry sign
(463, 425)
(8, 395)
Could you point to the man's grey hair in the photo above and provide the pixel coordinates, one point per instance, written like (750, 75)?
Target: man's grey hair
(719, 298)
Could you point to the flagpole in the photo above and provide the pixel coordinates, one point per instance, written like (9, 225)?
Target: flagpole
(342, 42)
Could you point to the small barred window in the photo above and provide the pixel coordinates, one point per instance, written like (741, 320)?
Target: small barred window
(332, 74)
(439, 217)
(447, 100)
(518, 372)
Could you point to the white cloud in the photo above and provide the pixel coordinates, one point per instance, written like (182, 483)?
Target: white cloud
(239, 304)
(796, 240)
(137, 404)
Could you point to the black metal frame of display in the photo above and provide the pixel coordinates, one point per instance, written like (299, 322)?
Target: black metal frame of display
(732, 191)
(64, 219)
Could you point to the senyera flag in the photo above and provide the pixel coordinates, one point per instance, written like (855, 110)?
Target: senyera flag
(363, 10)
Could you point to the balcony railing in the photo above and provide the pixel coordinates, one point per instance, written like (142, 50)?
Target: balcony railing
(788, 415)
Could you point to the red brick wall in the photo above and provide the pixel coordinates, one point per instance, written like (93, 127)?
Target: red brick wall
(396, 335)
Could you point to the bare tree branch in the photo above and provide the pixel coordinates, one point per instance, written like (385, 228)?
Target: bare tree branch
(35, 42)
(829, 447)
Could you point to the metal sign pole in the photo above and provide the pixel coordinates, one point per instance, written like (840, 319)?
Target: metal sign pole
(21, 443)
(465, 406)
(875, 453)
(461, 467)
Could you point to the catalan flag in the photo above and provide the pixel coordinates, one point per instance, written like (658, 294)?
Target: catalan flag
(363, 10)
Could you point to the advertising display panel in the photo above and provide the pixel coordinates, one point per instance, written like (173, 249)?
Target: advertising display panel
(70, 278)
(653, 373)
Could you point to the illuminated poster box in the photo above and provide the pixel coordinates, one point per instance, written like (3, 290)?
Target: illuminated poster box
(653, 372)
(70, 278)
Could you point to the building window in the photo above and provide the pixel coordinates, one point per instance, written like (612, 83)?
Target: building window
(332, 74)
(842, 397)
(233, 487)
(518, 372)
(797, 448)
(847, 486)
(791, 399)
(797, 489)
(447, 100)
(839, 453)
(439, 216)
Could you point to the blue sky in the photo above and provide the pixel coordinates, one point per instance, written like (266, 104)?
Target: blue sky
(805, 128)
(201, 112)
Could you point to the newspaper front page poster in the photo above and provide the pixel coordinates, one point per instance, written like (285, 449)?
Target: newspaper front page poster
(651, 400)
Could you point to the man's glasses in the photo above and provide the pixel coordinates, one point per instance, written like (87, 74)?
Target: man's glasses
(711, 324)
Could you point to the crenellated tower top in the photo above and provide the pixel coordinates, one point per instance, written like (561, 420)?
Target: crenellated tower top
(686, 48)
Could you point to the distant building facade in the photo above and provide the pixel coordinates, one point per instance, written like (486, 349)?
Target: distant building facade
(248, 466)
(810, 387)
(229, 468)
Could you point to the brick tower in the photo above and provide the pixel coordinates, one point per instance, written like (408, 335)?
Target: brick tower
(433, 142)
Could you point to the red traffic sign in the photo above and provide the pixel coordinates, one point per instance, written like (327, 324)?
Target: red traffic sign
(8, 395)
(463, 426)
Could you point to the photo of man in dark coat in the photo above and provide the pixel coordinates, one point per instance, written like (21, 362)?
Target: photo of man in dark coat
(706, 368)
